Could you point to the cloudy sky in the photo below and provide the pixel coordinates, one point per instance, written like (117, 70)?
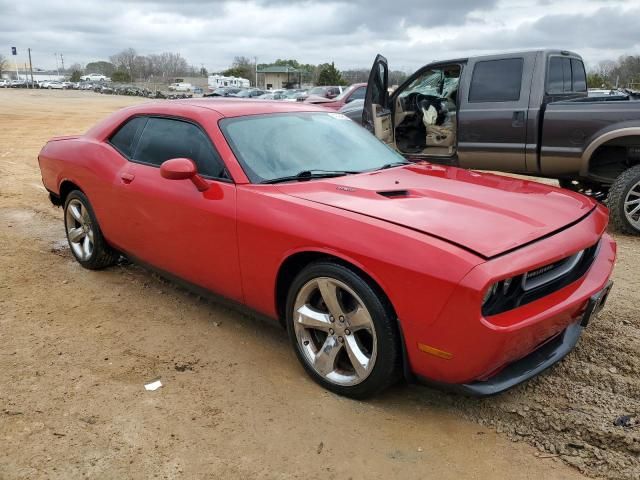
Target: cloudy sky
(409, 33)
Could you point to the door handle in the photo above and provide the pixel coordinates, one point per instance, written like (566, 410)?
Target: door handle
(127, 177)
(517, 120)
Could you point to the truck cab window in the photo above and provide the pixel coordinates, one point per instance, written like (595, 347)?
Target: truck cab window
(578, 76)
(496, 80)
(566, 75)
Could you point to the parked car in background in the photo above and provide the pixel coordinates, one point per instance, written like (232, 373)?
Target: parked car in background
(602, 92)
(223, 91)
(292, 95)
(272, 96)
(349, 94)
(353, 110)
(470, 280)
(4, 83)
(180, 87)
(55, 86)
(248, 93)
(95, 77)
(525, 112)
(325, 92)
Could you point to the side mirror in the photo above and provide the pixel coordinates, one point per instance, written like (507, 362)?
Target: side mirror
(183, 169)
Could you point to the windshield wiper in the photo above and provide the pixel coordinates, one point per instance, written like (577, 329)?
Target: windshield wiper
(393, 164)
(310, 174)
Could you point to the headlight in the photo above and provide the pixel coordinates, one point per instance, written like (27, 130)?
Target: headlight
(490, 293)
(498, 290)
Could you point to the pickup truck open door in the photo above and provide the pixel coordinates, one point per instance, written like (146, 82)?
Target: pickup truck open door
(376, 116)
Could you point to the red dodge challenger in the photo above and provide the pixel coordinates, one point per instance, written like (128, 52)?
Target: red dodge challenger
(378, 267)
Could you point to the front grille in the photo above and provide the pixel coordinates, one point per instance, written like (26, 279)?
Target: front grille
(542, 281)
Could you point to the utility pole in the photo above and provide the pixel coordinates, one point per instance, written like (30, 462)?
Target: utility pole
(57, 69)
(14, 52)
(255, 61)
(30, 67)
(62, 60)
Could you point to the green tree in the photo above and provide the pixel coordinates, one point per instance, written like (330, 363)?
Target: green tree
(121, 76)
(242, 67)
(75, 76)
(329, 75)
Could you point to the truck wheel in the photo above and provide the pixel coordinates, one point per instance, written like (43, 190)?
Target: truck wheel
(624, 201)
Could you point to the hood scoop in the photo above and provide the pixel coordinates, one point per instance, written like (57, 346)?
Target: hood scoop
(399, 194)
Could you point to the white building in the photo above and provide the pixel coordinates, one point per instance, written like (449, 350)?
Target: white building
(38, 75)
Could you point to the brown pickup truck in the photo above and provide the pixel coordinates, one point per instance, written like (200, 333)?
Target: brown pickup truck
(526, 113)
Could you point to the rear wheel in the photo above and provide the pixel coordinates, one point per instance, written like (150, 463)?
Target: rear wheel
(624, 201)
(84, 235)
(343, 331)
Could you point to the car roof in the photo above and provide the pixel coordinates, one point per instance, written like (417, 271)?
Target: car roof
(231, 107)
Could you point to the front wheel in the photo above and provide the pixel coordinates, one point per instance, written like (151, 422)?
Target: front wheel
(343, 331)
(624, 201)
(84, 235)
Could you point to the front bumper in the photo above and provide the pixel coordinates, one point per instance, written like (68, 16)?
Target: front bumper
(549, 353)
(486, 355)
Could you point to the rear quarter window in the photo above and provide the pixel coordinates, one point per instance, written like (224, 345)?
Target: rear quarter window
(123, 140)
(496, 80)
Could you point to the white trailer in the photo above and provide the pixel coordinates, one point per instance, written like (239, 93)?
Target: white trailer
(217, 81)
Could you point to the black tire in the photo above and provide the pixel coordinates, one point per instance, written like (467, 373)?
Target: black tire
(101, 255)
(386, 369)
(617, 196)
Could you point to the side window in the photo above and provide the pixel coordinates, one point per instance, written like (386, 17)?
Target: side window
(124, 138)
(165, 138)
(496, 80)
(578, 76)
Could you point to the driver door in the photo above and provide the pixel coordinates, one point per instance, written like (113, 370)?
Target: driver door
(376, 116)
(171, 224)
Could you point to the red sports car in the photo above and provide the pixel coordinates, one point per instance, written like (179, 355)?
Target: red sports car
(356, 91)
(377, 267)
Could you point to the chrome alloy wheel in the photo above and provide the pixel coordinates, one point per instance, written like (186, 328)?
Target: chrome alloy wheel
(632, 206)
(79, 229)
(334, 331)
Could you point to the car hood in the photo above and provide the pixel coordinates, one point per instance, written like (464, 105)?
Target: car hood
(485, 213)
(318, 99)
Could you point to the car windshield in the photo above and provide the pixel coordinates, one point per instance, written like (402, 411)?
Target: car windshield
(433, 82)
(346, 92)
(281, 145)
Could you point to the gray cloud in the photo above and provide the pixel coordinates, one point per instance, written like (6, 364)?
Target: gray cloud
(409, 32)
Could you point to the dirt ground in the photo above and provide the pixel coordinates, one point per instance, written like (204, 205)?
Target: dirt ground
(76, 348)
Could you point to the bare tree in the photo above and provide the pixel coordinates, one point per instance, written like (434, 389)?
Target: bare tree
(125, 60)
(4, 64)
